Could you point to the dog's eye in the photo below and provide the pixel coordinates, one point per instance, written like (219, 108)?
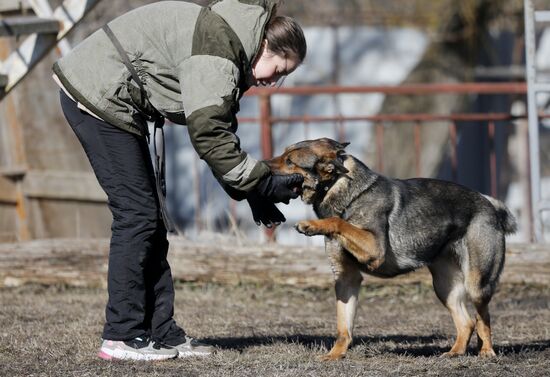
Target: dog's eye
(288, 162)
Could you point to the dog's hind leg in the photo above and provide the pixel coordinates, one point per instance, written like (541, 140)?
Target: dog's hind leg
(448, 282)
(347, 283)
(485, 262)
(484, 342)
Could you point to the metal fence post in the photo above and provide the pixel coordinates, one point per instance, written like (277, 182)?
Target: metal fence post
(266, 141)
(417, 147)
(265, 125)
(533, 87)
(454, 158)
(492, 159)
(380, 147)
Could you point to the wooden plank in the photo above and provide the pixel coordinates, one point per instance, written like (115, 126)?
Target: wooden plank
(7, 191)
(62, 185)
(14, 26)
(36, 46)
(223, 260)
(17, 159)
(8, 6)
(7, 237)
(22, 211)
(13, 172)
(8, 223)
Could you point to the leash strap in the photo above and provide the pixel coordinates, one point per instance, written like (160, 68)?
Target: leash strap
(126, 61)
(158, 119)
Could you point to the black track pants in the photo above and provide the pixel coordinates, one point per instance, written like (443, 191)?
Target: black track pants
(140, 287)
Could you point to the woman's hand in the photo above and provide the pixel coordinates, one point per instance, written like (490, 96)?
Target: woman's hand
(263, 211)
(280, 188)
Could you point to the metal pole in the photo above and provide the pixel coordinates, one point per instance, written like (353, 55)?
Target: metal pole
(454, 159)
(266, 141)
(340, 129)
(492, 159)
(417, 149)
(379, 147)
(523, 141)
(266, 137)
(530, 48)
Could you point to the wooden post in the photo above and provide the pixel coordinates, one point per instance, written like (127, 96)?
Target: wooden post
(15, 157)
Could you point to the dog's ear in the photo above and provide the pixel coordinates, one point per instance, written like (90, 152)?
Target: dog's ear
(331, 169)
(339, 166)
(341, 155)
(334, 144)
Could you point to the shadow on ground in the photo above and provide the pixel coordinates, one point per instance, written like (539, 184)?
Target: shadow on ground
(416, 346)
(314, 341)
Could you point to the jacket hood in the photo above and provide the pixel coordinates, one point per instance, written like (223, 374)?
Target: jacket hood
(247, 18)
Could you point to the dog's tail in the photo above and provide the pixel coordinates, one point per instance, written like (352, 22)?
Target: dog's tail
(505, 217)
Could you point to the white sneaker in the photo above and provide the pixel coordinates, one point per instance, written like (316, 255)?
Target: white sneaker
(141, 348)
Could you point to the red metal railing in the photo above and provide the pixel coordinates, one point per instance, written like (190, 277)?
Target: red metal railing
(379, 120)
(266, 120)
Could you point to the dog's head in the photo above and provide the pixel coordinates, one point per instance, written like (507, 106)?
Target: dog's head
(319, 161)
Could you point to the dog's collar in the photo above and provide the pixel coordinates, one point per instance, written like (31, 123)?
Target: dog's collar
(323, 189)
(325, 186)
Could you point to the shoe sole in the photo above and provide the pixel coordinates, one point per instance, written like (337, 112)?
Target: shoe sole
(182, 355)
(119, 354)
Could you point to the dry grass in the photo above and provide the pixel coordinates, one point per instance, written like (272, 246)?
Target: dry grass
(276, 331)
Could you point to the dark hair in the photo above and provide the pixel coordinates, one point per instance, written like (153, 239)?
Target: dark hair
(285, 38)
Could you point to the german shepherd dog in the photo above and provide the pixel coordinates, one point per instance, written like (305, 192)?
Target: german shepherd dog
(386, 227)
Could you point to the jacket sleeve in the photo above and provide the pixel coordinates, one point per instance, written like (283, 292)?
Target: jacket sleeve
(209, 86)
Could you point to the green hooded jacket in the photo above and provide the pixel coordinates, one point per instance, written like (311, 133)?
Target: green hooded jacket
(195, 64)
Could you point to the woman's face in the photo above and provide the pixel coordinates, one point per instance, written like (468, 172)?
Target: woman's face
(270, 68)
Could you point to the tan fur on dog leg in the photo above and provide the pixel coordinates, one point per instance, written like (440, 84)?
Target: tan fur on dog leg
(359, 242)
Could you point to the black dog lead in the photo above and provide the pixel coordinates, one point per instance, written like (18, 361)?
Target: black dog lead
(156, 117)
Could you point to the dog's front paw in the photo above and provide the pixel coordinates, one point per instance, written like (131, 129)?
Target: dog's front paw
(308, 228)
(487, 353)
(451, 354)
